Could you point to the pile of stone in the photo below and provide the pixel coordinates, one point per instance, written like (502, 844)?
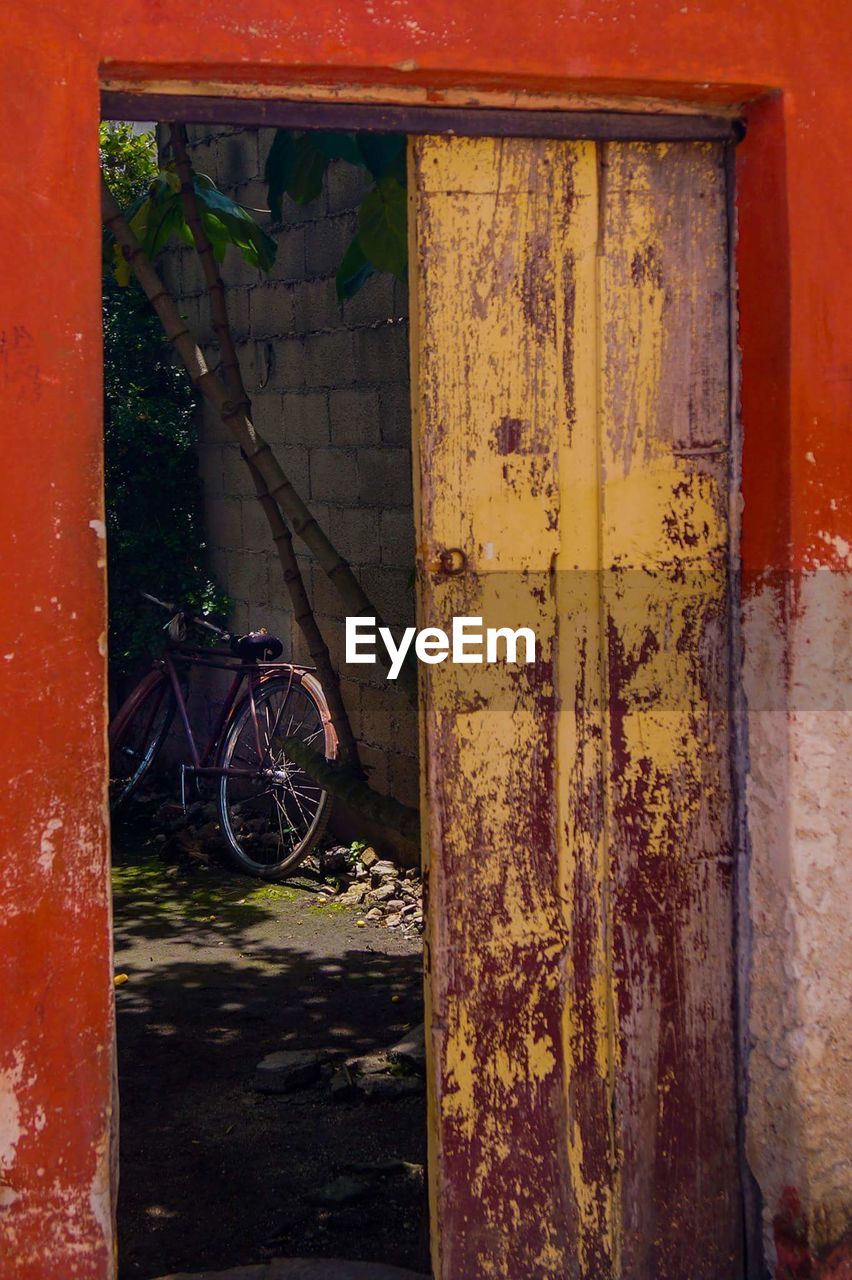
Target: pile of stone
(393, 1073)
(383, 892)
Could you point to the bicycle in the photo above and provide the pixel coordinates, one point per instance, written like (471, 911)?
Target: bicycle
(271, 813)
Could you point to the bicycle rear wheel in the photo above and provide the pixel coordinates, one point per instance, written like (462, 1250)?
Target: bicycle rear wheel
(272, 821)
(136, 734)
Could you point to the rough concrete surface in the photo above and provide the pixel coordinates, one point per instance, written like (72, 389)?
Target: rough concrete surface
(799, 788)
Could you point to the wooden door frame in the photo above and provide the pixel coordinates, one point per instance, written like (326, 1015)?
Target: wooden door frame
(553, 117)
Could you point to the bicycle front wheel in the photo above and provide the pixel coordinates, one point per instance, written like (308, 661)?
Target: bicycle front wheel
(136, 734)
(273, 816)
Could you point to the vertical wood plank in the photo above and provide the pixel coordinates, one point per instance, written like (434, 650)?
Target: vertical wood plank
(665, 413)
(497, 226)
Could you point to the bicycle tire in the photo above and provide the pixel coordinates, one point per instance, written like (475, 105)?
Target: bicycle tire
(148, 713)
(243, 804)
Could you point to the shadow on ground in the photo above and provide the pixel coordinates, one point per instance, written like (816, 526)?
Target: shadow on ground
(220, 971)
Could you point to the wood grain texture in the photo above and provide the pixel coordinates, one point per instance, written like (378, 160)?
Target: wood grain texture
(570, 361)
(664, 413)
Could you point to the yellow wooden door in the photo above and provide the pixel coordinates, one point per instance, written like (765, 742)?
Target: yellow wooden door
(571, 390)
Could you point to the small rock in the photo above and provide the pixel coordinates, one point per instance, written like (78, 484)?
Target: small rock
(410, 908)
(393, 922)
(368, 858)
(410, 874)
(288, 1070)
(411, 1049)
(336, 859)
(371, 1064)
(384, 871)
(382, 1088)
(341, 1086)
(375, 913)
(394, 904)
(384, 893)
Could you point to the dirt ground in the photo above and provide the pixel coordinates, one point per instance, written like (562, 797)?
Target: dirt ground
(222, 970)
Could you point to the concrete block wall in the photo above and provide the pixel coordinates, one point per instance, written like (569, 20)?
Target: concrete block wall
(330, 391)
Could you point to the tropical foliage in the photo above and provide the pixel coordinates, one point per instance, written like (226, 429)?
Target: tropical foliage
(296, 166)
(153, 491)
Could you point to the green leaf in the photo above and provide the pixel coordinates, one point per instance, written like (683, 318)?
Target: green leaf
(353, 271)
(225, 222)
(339, 146)
(384, 155)
(296, 167)
(382, 227)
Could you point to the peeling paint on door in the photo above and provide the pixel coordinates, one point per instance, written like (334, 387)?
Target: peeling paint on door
(572, 391)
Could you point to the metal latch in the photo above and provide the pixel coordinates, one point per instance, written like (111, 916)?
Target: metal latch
(448, 562)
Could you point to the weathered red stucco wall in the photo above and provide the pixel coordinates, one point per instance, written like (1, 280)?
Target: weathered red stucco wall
(790, 61)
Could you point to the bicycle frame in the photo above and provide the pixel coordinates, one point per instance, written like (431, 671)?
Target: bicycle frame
(252, 673)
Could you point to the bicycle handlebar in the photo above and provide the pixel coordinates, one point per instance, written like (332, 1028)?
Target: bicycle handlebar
(177, 611)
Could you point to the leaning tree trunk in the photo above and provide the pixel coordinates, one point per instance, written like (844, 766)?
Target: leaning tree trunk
(302, 610)
(236, 417)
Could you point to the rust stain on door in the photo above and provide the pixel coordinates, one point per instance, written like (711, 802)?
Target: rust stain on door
(572, 406)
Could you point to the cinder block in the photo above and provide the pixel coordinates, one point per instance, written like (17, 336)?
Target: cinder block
(224, 522)
(397, 539)
(375, 762)
(334, 474)
(384, 476)
(257, 535)
(381, 352)
(355, 533)
(346, 185)
(295, 460)
(391, 593)
(236, 475)
(326, 241)
(305, 418)
(279, 592)
(373, 303)
(290, 258)
(237, 158)
(326, 598)
(248, 577)
(377, 720)
(329, 359)
(317, 306)
(355, 416)
(404, 778)
(288, 361)
(254, 196)
(406, 733)
(271, 310)
(350, 691)
(237, 273)
(238, 312)
(267, 413)
(395, 413)
(400, 298)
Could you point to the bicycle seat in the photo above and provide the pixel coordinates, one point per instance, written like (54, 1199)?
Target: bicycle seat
(257, 646)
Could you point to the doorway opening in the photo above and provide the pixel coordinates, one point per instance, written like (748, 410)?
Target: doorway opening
(270, 1043)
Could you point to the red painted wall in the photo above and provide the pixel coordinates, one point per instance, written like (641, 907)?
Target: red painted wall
(794, 270)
